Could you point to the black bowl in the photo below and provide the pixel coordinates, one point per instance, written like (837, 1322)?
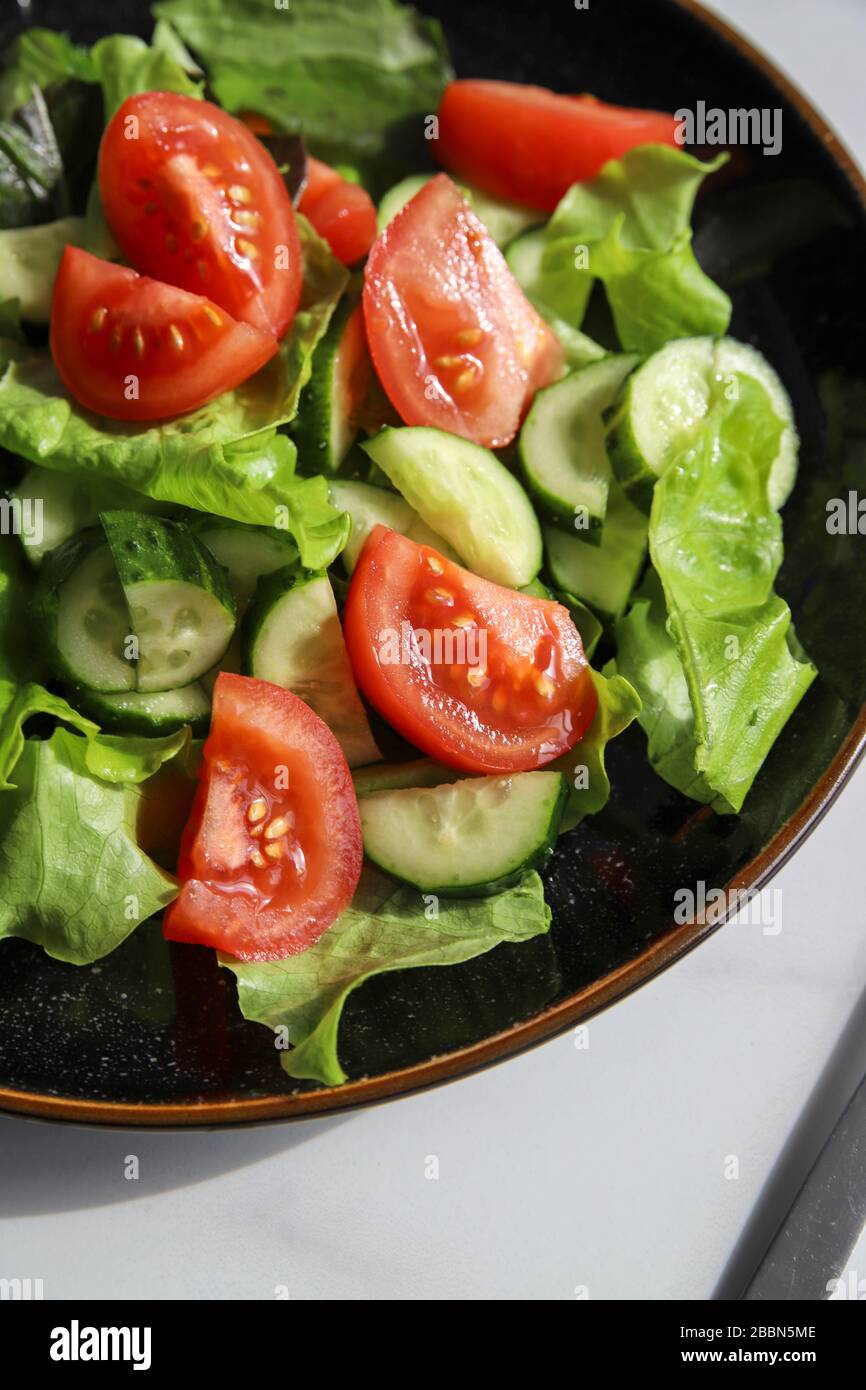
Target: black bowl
(152, 1034)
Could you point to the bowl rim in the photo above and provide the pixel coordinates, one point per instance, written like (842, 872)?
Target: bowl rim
(576, 1008)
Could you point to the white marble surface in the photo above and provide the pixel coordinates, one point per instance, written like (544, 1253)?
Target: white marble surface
(602, 1168)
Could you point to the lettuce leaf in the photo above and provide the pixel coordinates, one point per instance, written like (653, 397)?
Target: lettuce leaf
(629, 227)
(40, 58)
(716, 546)
(73, 878)
(18, 703)
(355, 80)
(386, 928)
(124, 65)
(224, 458)
(584, 764)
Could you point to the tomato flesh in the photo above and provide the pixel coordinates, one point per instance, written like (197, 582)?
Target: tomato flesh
(137, 349)
(272, 851)
(477, 676)
(455, 342)
(341, 212)
(529, 145)
(193, 198)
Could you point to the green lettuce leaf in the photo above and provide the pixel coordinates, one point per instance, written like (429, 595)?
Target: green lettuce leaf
(355, 80)
(629, 227)
(32, 185)
(18, 703)
(386, 928)
(647, 656)
(40, 58)
(224, 458)
(122, 758)
(124, 65)
(584, 764)
(73, 878)
(716, 546)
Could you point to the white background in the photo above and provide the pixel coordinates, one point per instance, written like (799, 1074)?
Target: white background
(602, 1168)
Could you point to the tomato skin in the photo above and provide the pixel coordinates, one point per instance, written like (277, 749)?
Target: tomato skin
(193, 198)
(341, 212)
(454, 340)
(114, 332)
(283, 905)
(525, 702)
(529, 145)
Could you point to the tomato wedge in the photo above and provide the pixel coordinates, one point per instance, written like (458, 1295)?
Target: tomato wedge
(455, 342)
(137, 349)
(272, 851)
(193, 198)
(341, 212)
(478, 676)
(530, 145)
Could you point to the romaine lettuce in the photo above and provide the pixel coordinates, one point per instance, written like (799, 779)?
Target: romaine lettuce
(388, 927)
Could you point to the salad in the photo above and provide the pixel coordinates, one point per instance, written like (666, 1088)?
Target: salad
(374, 452)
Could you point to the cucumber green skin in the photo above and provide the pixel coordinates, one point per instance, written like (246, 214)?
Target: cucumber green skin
(553, 508)
(98, 707)
(604, 377)
(56, 569)
(312, 431)
(149, 548)
(507, 880)
(630, 468)
(269, 590)
(386, 777)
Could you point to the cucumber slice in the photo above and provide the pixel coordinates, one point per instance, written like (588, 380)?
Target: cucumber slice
(370, 506)
(468, 496)
(325, 428)
(562, 443)
(131, 712)
(181, 607)
(663, 403)
(83, 616)
(467, 838)
(292, 637)
(601, 575)
(504, 221)
(386, 777)
(248, 552)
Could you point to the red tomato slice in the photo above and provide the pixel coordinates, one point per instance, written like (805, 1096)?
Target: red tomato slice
(341, 212)
(194, 198)
(137, 349)
(478, 676)
(454, 340)
(272, 851)
(530, 145)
